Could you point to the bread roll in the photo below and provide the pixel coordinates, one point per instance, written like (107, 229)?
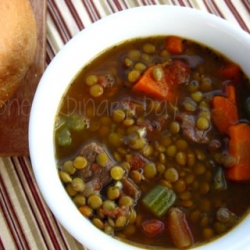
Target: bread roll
(18, 40)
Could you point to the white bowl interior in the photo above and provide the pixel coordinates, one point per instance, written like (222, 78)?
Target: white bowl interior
(164, 20)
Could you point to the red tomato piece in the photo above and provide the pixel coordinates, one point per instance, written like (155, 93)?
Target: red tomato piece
(152, 227)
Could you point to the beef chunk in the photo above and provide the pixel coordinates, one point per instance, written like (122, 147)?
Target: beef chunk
(96, 177)
(190, 131)
(97, 174)
(178, 72)
(130, 188)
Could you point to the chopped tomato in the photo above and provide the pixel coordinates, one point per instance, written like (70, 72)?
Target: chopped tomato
(178, 72)
(230, 72)
(152, 227)
(137, 162)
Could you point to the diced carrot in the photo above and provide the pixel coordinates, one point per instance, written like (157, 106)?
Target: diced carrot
(231, 93)
(152, 227)
(179, 229)
(176, 73)
(157, 89)
(174, 45)
(239, 145)
(224, 113)
(230, 72)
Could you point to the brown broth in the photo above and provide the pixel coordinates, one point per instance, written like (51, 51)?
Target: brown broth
(204, 64)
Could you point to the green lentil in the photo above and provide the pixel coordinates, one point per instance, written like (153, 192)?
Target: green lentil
(118, 115)
(162, 158)
(179, 186)
(133, 75)
(113, 192)
(126, 201)
(136, 176)
(86, 211)
(199, 169)
(94, 201)
(108, 204)
(98, 223)
(80, 162)
(79, 199)
(171, 151)
(148, 48)
(78, 184)
(115, 139)
(96, 90)
(171, 175)
(64, 177)
(206, 85)
(140, 66)
(128, 122)
(149, 171)
(134, 54)
(117, 172)
(193, 86)
(181, 158)
(189, 105)
(181, 144)
(128, 62)
(197, 96)
(121, 221)
(70, 190)
(68, 167)
(158, 73)
(174, 127)
(102, 159)
(137, 143)
(91, 80)
(202, 123)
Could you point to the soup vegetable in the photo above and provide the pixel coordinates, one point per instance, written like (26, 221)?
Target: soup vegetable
(152, 141)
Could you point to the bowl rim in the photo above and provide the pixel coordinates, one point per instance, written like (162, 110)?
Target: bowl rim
(41, 131)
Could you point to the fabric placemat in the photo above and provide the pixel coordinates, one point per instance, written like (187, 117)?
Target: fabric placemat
(25, 220)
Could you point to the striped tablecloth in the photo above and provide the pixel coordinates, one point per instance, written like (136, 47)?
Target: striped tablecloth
(25, 220)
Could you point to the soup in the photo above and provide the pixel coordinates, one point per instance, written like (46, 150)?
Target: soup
(151, 139)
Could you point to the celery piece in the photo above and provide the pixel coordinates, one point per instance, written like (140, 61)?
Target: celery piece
(159, 200)
(77, 122)
(220, 182)
(63, 137)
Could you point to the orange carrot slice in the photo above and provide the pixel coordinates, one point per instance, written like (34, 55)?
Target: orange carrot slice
(174, 45)
(157, 89)
(231, 93)
(167, 86)
(224, 113)
(239, 145)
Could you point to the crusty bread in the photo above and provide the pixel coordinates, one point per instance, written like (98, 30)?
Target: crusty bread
(18, 40)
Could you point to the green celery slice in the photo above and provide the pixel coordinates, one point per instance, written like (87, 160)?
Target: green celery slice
(159, 200)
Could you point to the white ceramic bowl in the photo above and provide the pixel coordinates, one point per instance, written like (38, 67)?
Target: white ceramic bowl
(136, 22)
